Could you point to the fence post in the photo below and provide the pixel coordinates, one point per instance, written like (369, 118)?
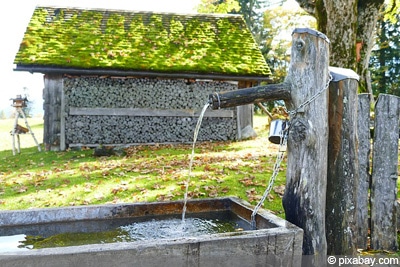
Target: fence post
(384, 174)
(304, 198)
(364, 176)
(342, 178)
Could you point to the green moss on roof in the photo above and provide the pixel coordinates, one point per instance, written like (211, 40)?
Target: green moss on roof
(140, 41)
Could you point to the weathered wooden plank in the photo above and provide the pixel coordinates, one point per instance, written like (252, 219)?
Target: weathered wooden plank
(342, 179)
(52, 111)
(62, 120)
(364, 176)
(147, 112)
(217, 114)
(384, 174)
(304, 198)
(246, 117)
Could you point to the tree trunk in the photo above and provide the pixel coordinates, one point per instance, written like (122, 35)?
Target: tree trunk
(304, 199)
(347, 22)
(368, 14)
(341, 28)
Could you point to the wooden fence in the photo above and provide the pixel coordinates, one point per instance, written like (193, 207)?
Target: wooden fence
(361, 202)
(377, 190)
(362, 170)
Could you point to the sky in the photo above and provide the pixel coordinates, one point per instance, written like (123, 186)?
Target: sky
(14, 17)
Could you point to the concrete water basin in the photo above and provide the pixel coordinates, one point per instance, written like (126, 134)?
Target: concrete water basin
(275, 242)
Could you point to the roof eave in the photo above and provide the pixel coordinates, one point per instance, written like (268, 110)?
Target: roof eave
(124, 73)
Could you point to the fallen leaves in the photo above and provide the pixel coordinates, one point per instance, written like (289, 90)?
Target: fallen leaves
(212, 191)
(119, 188)
(21, 189)
(99, 196)
(88, 187)
(252, 195)
(279, 189)
(157, 186)
(165, 197)
(250, 181)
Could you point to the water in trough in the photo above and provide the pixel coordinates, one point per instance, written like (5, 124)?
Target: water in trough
(86, 232)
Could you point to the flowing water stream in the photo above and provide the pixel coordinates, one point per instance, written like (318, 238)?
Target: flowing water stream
(196, 132)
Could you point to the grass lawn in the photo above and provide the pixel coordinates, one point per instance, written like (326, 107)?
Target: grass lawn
(35, 179)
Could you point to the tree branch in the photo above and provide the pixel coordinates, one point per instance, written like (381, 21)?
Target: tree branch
(308, 6)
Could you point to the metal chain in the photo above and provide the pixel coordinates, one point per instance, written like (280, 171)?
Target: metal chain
(293, 113)
(283, 139)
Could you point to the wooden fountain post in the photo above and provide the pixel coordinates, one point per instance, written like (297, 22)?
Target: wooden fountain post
(306, 175)
(305, 92)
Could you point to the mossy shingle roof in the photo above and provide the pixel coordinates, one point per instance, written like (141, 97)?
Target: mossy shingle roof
(139, 41)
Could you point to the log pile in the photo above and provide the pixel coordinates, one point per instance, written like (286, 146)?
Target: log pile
(140, 93)
(177, 94)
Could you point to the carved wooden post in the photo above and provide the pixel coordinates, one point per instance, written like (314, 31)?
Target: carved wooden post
(364, 176)
(384, 174)
(342, 185)
(304, 199)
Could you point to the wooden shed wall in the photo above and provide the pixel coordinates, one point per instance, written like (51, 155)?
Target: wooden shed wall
(92, 111)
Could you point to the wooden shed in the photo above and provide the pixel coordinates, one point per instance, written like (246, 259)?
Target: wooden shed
(116, 77)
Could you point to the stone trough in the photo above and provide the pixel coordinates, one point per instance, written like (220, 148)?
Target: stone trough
(275, 242)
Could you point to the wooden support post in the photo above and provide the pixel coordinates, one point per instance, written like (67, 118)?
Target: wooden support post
(384, 174)
(364, 176)
(304, 198)
(13, 133)
(52, 111)
(342, 179)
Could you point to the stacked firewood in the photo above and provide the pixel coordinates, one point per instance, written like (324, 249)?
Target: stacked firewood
(142, 93)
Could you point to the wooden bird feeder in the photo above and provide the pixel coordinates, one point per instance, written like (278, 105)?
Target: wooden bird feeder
(19, 102)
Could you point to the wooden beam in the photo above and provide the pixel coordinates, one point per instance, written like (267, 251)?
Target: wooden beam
(147, 112)
(251, 95)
